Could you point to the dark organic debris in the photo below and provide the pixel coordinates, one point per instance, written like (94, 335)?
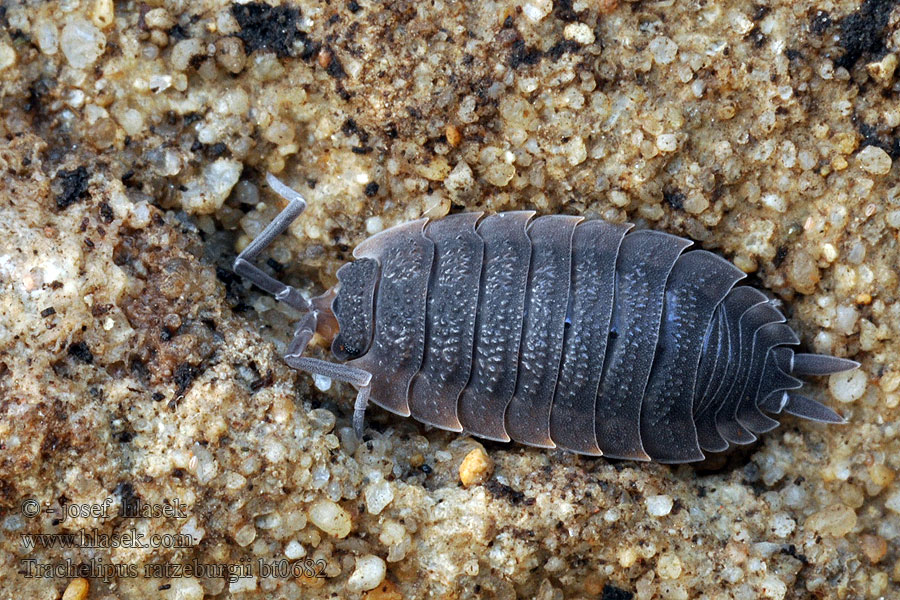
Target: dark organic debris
(334, 68)
(557, 50)
(74, 186)
(185, 374)
(523, 55)
(611, 592)
(129, 499)
(234, 291)
(820, 22)
(106, 213)
(780, 255)
(81, 352)
(502, 491)
(674, 198)
(871, 137)
(862, 32)
(265, 27)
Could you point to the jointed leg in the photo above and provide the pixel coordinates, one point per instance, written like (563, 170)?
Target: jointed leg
(352, 375)
(292, 297)
(245, 268)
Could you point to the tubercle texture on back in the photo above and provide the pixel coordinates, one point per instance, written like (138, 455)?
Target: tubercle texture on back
(579, 334)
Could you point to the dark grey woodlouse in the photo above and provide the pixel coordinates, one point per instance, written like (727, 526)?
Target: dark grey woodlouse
(553, 331)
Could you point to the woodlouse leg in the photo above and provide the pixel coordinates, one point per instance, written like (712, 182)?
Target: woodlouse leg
(245, 268)
(361, 379)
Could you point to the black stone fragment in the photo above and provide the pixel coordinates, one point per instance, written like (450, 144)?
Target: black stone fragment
(185, 374)
(74, 186)
(335, 68)
(81, 352)
(780, 255)
(106, 213)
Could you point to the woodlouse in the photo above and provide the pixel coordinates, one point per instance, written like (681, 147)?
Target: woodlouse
(554, 332)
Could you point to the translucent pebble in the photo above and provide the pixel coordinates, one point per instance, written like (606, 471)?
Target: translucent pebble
(500, 173)
(242, 584)
(893, 502)
(269, 521)
(294, 550)
(847, 316)
(369, 573)
(874, 160)
(82, 43)
(466, 112)
(185, 588)
(378, 495)
(203, 464)
(836, 520)
(374, 225)
(47, 36)
(460, 179)
(773, 587)
(666, 142)
(893, 219)
(848, 386)
(669, 566)
(579, 32)
(184, 51)
(245, 535)
(392, 533)
(857, 253)
(322, 383)
(274, 451)
(783, 525)
(536, 10)
(663, 50)
(575, 151)
(331, 518)
(207, 195)
(659, 506)
(775, 202)
(131, 121)
(159, 18)
(322, 419)
(320, 477)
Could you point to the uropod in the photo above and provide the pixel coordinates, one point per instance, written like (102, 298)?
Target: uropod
(552, 331)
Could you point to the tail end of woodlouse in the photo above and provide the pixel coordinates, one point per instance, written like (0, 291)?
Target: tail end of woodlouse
(806, 408)
(800, 364)
(815, 365)
(820, 364)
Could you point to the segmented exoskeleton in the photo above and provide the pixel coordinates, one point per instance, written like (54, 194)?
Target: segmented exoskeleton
(553, 331)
